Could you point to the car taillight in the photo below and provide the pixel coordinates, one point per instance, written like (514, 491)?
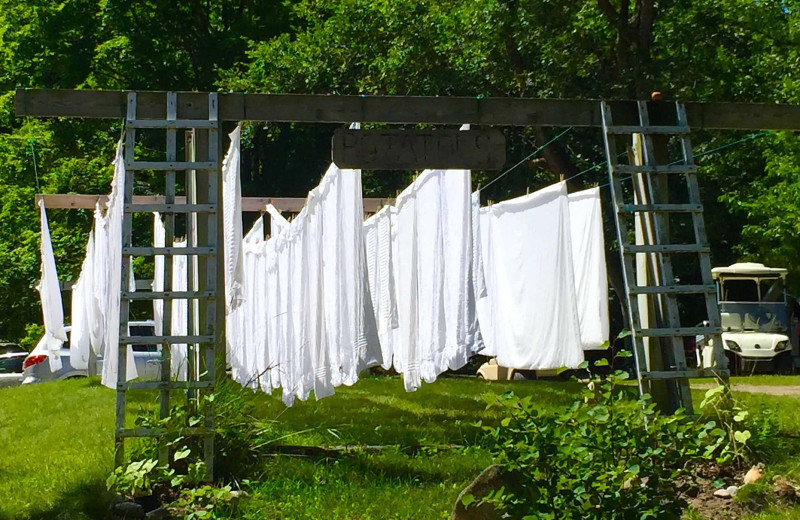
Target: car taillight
(33, 360)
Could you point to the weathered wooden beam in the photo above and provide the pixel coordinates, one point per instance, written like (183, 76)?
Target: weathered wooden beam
(249, 204)
(392, 109)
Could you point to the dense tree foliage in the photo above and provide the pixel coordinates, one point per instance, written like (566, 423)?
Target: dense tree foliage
(737, 50)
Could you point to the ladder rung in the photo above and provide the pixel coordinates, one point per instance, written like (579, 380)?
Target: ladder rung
(165, 123)
(163, 385)
(653, 129)
(666, 248)
(163, 166)
(677, 208)
(682, 331)
(176, 251)
(673, 289)
(157, 432)
(168, 295)
(669, 168)
(676, 374)
(160, 340)
(170, 208)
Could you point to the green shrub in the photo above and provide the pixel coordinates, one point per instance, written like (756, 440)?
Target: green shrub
(609, 456)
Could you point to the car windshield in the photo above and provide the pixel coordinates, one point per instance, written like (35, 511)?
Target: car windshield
(761, 317)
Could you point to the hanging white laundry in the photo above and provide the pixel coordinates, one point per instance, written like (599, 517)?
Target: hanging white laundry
(436, 314)
(232, 222)
(530, 320)
(82, 308)
(589, 261)
(179, 323)
(113, 218)
(159, 240)
(100, 285)
(380, 275)
(277, 222)
(50, 296)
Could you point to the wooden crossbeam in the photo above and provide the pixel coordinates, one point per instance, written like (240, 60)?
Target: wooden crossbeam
(249, 204)
(394, 109)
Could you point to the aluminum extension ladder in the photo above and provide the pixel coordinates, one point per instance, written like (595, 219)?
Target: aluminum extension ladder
(201, 339)
(653, 250)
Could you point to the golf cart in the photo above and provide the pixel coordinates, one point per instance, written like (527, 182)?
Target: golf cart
(755, 321)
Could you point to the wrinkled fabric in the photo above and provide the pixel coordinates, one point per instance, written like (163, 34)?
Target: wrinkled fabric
(50, 295)
(113, 225)
(530, 319)
(380, 276)
(100, 285)
(80, 337)
(434, 276)
(232, 222)
(589, 263)
(277, 222)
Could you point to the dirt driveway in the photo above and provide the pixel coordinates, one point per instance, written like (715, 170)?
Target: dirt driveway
(793, 390)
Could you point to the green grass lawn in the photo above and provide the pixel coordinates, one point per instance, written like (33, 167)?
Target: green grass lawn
(56, 442)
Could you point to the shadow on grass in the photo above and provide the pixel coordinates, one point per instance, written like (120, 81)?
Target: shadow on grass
(87, 501)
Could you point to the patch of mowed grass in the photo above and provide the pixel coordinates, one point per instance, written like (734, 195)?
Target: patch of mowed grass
(56, 448)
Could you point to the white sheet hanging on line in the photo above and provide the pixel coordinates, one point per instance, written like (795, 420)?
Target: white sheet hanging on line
(277, 222)
(589, 261)
(113, 226)
(100, 285)
(50, 295)
(232, 222)
(179, 325)
(436, 316)
(80, 339)
(530, 320)
(380, 275)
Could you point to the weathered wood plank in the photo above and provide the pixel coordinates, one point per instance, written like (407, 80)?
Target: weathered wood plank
(249, 204)
(393, 109)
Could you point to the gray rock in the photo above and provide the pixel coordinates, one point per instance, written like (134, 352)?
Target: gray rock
(732, 490)
(490, 479)
(722, 493)
(128, 510)
(157, 514)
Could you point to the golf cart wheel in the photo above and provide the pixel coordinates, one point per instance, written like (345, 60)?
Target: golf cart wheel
(783, 363)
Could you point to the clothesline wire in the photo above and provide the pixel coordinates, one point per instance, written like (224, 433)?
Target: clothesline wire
(745, 139)
(545, 145)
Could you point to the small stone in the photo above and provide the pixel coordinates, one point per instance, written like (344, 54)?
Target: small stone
(722, 493)
(157, 514)
(732, 490)
(128, 510)
(754, 474)
(489, 480)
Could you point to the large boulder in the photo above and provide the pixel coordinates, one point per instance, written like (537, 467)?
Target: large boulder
(489, 480)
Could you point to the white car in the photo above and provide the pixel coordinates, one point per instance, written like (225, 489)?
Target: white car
(147, 358)
(755, 324)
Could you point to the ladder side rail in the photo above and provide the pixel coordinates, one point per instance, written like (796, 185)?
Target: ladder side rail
(124, 304)
(615, 186)
(209, 351)
(167, 305)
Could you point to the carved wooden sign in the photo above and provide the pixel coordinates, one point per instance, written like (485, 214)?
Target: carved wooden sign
(418, 149)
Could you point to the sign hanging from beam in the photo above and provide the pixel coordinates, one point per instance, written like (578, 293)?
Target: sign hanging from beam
(419, 149)
(109, 104)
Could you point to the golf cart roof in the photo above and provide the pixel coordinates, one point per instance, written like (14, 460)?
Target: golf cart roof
(747, 269)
